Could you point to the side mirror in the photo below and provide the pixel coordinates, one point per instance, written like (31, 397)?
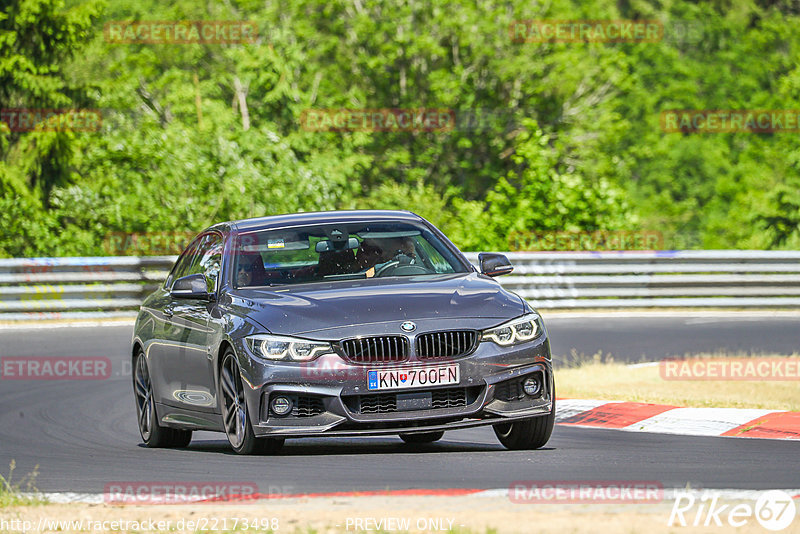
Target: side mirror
(494, 264)
(193, 286)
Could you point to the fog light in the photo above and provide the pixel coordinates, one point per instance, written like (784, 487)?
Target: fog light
(280, 406)
(532, 386)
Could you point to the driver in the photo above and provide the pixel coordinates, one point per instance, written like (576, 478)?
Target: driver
(250, 270)
(372, 253)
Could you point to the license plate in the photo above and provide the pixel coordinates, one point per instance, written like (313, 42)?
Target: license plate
(414, 377)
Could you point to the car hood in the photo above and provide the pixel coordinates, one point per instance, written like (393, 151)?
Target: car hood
(307, 308)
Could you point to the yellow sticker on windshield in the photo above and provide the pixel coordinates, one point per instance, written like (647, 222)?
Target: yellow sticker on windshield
(275, 243)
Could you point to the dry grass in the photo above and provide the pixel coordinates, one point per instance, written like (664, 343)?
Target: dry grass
(602, 378)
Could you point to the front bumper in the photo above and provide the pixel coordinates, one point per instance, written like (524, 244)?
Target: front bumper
(330, 396)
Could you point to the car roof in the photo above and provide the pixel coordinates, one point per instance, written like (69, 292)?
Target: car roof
(318, 217)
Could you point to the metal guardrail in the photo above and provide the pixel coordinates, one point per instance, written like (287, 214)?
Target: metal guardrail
(115, 286)
(52, 288)
(656, 279)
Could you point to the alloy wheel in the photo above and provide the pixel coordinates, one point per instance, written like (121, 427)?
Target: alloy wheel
(144, 397)
(234, 409)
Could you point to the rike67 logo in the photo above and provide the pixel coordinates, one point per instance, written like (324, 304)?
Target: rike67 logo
(774, 510)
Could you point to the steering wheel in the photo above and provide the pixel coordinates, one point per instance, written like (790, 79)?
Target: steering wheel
(401, 261)
(384, 269)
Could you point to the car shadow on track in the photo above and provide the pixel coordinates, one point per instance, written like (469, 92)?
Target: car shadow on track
(342, 447)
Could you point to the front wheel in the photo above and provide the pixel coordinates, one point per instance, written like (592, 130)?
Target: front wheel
(527, 434)
(235, 415)
(422, 437)
(153, 434)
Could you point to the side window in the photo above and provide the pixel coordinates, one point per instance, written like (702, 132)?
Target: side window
(184, 262)
(437, 262)
(208, 260)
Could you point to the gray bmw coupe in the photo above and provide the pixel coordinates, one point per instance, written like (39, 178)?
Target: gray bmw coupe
(348, 323)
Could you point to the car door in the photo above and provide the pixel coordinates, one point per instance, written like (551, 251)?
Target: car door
(161, 351)
(187, 363)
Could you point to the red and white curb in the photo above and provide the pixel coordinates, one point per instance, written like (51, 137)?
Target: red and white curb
(642, 417)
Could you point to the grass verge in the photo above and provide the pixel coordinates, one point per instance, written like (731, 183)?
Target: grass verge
(18, 493)
(602, 378)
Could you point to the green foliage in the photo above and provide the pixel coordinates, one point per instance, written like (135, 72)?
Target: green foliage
(197, 133)
(543, 196)
(37, 40)
(464, 221)
(19, 493)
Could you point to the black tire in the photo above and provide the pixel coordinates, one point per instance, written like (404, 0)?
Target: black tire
(235, 415)
(422, 437)
(527, 434)
(153, 434)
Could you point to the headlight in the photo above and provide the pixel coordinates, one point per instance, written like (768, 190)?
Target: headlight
(518, 330)
(276, 348)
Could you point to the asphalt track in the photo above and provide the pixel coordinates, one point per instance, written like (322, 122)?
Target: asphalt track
(650, 337)
(82, 434)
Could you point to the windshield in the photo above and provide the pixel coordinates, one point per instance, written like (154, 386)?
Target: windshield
(340, 252)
